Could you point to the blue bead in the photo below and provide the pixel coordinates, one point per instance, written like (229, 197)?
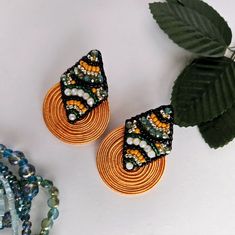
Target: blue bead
(26, 217)
(7, 153)
(23, 162)
(26, 171)
(2, 149)
(33, 179)
(16, 157)
(30, 190)
(27, 225)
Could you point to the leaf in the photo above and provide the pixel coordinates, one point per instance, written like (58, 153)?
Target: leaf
(204, 91)
(192, 29)
(219, 131)
(211, 14)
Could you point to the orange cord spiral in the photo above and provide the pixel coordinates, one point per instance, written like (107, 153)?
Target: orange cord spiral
(86, 130)
(109, 164)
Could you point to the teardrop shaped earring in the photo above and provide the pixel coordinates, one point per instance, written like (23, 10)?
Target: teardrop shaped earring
(131, 159)
(76, 110)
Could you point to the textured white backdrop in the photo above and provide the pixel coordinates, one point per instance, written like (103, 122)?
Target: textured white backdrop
(38, 41)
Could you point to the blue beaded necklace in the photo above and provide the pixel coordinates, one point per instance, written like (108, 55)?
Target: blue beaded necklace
(21, 191)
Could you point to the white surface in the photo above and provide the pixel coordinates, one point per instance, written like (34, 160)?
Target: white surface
(38, 41)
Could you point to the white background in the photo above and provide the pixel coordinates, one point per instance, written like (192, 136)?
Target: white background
(39, 40)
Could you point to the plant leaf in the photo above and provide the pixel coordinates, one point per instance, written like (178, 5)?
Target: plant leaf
(204, 90)
(219, 131)
(211, 14)
(190, 29)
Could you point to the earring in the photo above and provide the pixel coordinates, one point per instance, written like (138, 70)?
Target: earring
(76, 110)
(131, 159)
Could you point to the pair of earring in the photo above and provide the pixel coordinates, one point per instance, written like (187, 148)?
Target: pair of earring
(131, 159)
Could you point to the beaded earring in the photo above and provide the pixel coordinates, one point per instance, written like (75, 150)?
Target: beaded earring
(131, 159)
(76, 110)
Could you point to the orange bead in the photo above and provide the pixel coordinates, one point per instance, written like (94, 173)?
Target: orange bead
(85, 66)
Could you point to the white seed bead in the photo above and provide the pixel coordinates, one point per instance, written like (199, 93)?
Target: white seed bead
(90, 102)
(129, 166)
(147, 148)
(86, 96)
(72, 117)
(151, 154)
(143, 144)
(67, 92)
(80, 92)
(136, 141)
(129, 140)
(74, 91)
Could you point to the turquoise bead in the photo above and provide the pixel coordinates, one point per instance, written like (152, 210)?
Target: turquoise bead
(53, 213)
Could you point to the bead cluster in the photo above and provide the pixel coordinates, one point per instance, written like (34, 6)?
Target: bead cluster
(86, 83)
(148, 137)
(19, 192)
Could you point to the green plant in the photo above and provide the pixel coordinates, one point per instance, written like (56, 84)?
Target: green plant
(204, 93)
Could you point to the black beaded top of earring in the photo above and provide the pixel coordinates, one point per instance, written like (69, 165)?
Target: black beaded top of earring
(84, 86)
(148, 137)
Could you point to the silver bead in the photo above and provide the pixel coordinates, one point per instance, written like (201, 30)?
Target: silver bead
(67, 92)
(151, 154)
(147, 148)
(72, 117)
(74, 91)
(80, 92)
(143, 144)
(136, 141)
(129, 166)
(90, 102)
(86, 96)
(129, 140)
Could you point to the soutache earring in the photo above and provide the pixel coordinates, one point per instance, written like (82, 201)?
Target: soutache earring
(131, 159)
(76, 110)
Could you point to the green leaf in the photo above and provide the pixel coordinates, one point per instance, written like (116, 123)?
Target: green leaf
(211, 14)
(204, 91)
(219, 131)
(192, 28)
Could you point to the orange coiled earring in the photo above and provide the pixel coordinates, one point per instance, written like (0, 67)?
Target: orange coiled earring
(76, 110)
(131, 159)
